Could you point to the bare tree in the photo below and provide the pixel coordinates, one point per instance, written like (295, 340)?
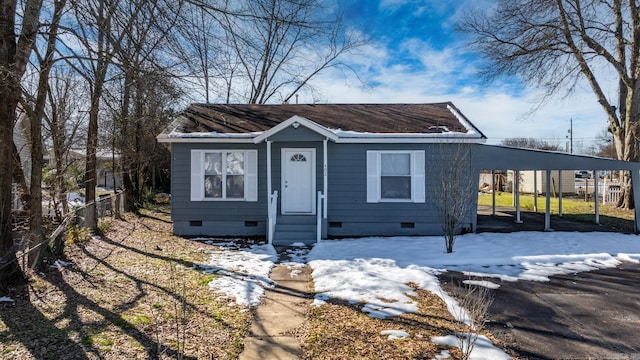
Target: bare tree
(555, 44)
(452, 189)
(35, 112)
(91, 55)
(532, 143)
(147, 88)
(280, 45)
(18, 31)
(63, 127)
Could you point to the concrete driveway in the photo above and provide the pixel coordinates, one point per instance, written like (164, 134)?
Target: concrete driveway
(591, 315)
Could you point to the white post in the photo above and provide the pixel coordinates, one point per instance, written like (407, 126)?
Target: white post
(269, 196)
(325, 177)
(560, 193)
(516, 186)
(268, 169)
(513, 188)
(604, 191)
(547, 210)
(595, 196)
(493, 192)
(535, 190)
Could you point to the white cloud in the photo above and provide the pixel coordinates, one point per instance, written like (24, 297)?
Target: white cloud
(498, 109)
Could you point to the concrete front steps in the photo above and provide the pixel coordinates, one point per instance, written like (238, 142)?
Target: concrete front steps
(292, 229)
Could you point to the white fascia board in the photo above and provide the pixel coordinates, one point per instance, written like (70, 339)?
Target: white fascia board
(303, 122)
(204, 140)
(411, 140)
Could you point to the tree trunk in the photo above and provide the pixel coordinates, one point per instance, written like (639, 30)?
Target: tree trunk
(7, 114)
(90, 215)
(19, 177)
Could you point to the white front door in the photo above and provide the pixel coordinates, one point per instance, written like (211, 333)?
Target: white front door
(298, 181)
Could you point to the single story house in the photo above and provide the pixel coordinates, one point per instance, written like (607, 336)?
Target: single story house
(298, 173)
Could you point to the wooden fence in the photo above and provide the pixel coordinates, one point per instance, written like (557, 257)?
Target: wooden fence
(105, 206)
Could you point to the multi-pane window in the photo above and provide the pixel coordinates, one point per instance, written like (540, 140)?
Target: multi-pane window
(395, 176)
(224, 175)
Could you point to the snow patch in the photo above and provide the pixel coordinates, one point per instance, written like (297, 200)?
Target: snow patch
(395, 334)
(482, 350)
(484, 283)
(244, 273)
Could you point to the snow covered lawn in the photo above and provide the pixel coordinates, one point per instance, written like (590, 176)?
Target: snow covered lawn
(377, 271)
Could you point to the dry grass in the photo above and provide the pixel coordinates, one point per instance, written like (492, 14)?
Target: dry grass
(574, 208)
(122, 297)
(338, 330)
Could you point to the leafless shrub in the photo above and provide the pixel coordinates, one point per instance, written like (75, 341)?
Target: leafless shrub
(474, 307)
(178, 316)
(452, 189)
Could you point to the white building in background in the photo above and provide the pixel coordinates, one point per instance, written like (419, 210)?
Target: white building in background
(527, 181)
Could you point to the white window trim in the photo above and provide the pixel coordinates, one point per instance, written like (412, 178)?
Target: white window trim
(250, 174)
(374, 173)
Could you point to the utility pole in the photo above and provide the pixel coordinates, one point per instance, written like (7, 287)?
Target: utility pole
(570, 135)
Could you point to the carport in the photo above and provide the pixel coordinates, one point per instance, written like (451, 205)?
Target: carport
(495, 158)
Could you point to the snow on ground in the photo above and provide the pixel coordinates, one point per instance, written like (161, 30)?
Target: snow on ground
(395, 334)
(376, 271)
(370, 269)
(482, 348)
(244, 272)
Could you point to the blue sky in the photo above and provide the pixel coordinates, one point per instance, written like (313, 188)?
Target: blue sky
(416, 56)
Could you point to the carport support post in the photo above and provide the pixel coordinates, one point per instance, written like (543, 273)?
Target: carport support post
(595, 195)
(547, 210)
(535, 190)
(493, 192)
(635, 182)
(516, 193)
(560, 193)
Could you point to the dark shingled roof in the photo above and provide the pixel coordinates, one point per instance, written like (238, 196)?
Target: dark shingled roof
(364, 118)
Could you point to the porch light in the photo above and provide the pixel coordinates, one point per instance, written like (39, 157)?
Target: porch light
(295, 124)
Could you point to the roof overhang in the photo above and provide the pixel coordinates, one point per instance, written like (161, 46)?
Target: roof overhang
(496, 157)
(335, 135)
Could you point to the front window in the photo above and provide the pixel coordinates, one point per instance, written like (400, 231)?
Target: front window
(224, 175)
(395, 176)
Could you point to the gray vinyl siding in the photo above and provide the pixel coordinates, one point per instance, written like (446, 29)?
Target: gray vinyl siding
(219, 218)
(347, 192)
(348, 195)
(294, 135)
